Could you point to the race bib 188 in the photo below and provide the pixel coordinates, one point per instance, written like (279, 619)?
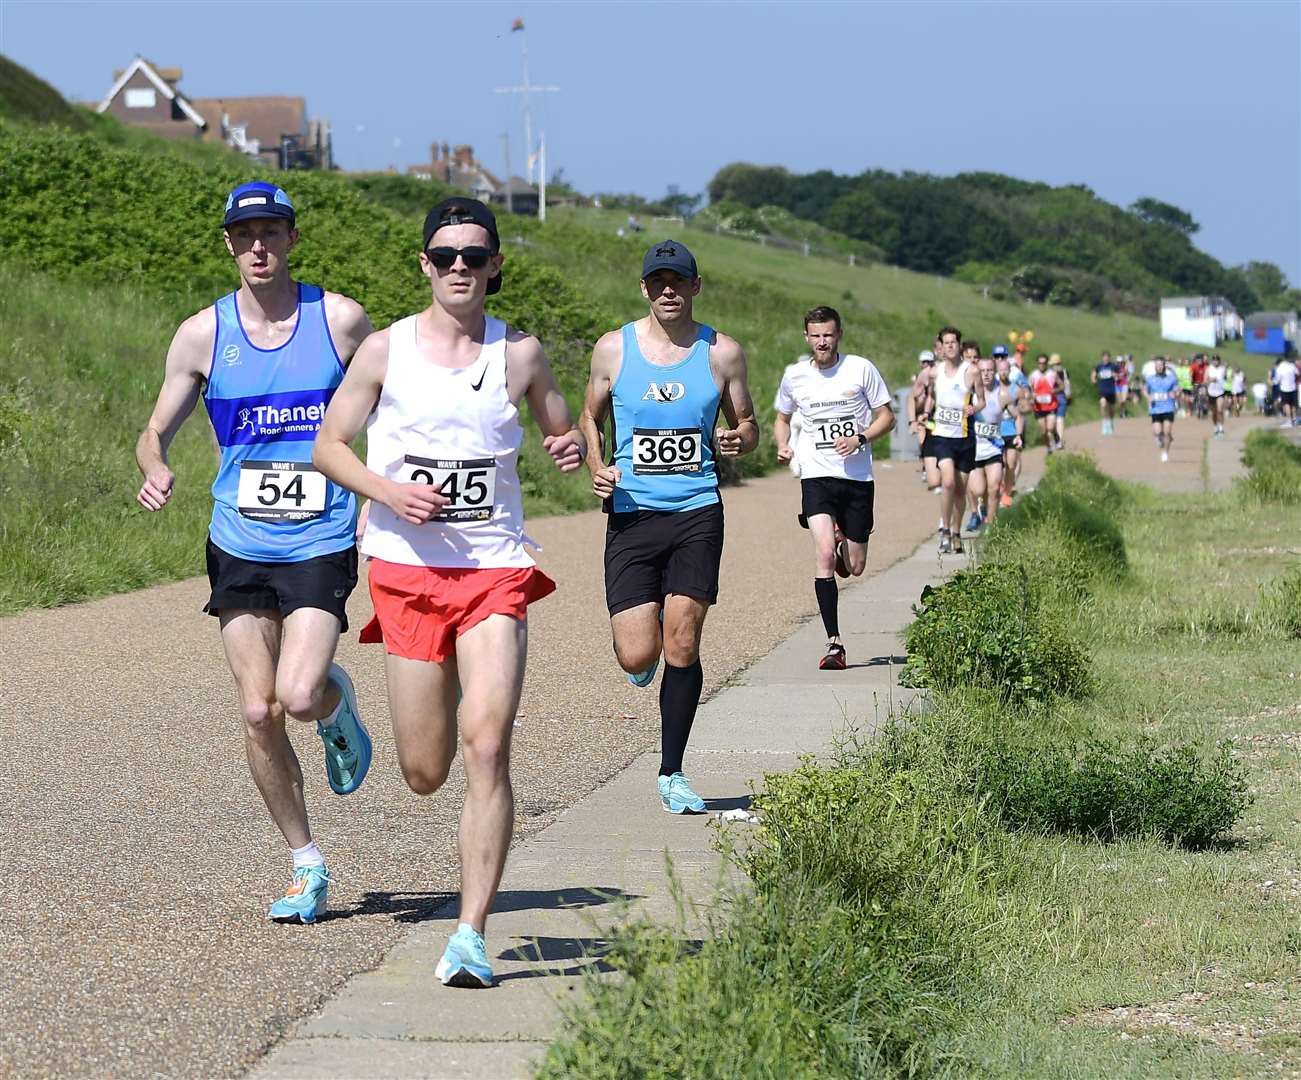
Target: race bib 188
(470, 485)
(826, 432)
(665, 450)
(280, 491)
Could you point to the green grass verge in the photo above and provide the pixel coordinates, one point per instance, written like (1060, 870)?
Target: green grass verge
(1090, 887)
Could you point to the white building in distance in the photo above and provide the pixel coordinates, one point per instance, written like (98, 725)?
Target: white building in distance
(1199, 320)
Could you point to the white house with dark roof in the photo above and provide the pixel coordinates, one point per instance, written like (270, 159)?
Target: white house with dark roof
(275, 130)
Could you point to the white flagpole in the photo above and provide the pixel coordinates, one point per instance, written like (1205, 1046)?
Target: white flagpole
(542, 176)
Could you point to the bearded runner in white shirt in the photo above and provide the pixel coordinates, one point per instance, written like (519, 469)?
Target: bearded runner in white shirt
(845, 406)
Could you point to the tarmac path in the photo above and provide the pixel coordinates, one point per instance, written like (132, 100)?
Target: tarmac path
(137, 856)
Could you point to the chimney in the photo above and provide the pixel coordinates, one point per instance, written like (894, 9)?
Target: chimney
(464, 155)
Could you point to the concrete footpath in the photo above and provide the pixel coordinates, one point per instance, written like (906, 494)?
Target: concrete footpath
(562, 886)
(605, 857)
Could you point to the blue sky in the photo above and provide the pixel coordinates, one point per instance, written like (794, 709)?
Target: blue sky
(1198, 104)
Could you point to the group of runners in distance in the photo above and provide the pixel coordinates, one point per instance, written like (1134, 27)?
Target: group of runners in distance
(290, 374)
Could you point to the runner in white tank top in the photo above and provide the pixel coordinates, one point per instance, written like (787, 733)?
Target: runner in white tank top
(957, 394)
(467, 446)
(449, 577)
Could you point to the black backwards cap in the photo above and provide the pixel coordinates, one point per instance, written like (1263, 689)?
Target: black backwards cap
(462, 211)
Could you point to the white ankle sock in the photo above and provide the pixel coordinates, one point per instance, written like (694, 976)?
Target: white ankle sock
(308, 855)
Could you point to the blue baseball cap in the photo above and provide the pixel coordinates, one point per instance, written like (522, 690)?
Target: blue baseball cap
(998, 350)
(669, 255)
(257, 199)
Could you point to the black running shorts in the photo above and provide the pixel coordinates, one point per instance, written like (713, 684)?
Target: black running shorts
(651, 553)
(1288, 397)
(848, 502)
(1161, 417)
(961, 451)
(324, 582)
(928, 445)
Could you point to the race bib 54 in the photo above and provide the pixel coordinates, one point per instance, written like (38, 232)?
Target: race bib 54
(280, 491)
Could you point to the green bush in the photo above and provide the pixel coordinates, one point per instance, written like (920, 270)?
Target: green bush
(1274, 470)
(1093, 541)
(1280, 602)
(1078, 474)
(873, 901)
(154, 222)
(1264, 448)
(988, 627)
(1109, 790)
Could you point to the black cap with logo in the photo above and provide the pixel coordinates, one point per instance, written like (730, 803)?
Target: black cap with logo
(669, 255)
(464, 211)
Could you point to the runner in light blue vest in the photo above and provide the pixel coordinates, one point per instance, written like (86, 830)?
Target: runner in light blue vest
(664, 379)
(281, 560)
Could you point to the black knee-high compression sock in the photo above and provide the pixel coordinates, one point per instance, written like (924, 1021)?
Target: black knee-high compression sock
(828, 604)
(679, 699)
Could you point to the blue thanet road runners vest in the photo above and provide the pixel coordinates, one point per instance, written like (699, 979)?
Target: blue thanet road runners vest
(266, 406)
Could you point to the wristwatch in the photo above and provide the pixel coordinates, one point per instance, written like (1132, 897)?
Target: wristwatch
(862, 440)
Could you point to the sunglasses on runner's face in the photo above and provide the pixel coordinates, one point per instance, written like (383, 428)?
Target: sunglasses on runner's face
(476, 258)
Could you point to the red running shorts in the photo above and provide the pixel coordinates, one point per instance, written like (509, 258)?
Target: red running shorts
(420, 611)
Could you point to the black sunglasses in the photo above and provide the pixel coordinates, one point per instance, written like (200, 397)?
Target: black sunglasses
(476, 258)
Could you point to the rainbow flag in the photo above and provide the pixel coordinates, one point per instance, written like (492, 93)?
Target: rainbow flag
(518, 24)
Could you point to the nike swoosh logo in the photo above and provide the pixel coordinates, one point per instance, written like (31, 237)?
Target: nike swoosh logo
(478, 384)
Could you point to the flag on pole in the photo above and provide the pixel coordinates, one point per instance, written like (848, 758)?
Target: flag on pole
(518, 24)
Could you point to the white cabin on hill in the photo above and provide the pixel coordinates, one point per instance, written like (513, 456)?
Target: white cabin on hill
(1199, 320)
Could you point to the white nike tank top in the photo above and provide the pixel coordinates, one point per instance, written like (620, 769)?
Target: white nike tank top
(951, 402)
(458, 429)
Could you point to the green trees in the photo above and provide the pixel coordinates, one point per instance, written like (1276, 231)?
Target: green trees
(1061, 245)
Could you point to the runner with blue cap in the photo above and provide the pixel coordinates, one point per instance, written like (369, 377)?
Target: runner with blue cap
(281, 555)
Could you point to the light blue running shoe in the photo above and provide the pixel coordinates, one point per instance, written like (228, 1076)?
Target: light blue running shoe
(465, 961)
(305, 898)
(347, 742)
(677, 796)
(645, 678)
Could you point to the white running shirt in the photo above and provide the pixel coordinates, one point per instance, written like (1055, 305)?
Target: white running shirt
(459, 429)
(1285, 376)
(951, 400)
(833, 402)
(1215, 376)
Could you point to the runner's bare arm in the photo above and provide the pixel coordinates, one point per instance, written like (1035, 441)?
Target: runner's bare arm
(348, 323)
(977, 389)
(351, 404)
(529, 374)
(606, 358)
(188, 358)
(781, 435)
(742, 434)
(882, 422)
